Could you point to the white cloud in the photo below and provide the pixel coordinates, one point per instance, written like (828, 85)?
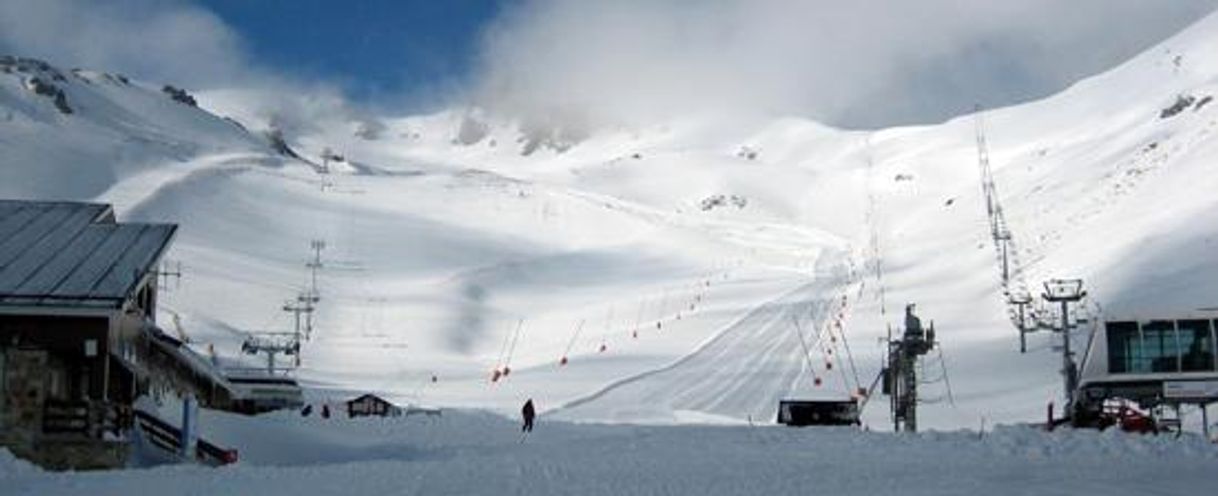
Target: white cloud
(170, 42)
(861, 63)
(164, 41)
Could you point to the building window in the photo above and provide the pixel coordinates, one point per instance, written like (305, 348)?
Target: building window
(1124, 347)
(1162, 346)
(1197, 346)
(1162, 349)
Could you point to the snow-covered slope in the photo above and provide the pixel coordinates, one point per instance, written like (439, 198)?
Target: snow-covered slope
(684, 271)
(75, 133)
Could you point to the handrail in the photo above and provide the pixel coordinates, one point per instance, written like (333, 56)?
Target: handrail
(169, 438)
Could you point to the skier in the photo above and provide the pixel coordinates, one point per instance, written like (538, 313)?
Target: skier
(528, 413)
(325, 410)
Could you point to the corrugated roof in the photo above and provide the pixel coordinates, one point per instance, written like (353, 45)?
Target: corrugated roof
(66, 254)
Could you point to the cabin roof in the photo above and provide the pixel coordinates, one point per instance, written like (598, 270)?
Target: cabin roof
(74, 255)
(369, 396)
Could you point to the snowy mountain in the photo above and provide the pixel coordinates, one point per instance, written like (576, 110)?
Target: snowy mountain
(692, 271)
(74, 133)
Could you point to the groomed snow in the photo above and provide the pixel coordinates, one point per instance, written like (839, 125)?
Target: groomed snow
(480, 453)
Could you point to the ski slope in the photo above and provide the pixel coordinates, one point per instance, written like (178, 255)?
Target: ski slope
(741, 372)
(673, 266)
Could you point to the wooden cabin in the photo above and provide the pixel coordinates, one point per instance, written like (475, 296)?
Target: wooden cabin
(77, 293)
(371, 404)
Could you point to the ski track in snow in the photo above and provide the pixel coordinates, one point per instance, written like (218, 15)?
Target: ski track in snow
(739, 373)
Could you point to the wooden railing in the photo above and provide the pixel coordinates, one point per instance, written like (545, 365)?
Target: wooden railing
(83, 418)
(165, 436)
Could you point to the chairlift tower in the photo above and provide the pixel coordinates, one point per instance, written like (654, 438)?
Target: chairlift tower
(273, 344)
(298, 307)
(983, 161)
(900, 376)
(315, 265)
(306, 302)
(1003, 238)
(1065, 292)
(1021, 301)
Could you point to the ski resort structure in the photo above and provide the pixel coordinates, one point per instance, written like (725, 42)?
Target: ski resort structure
(77, 296)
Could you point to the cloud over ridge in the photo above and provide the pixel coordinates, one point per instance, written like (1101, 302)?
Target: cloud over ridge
(854, 64)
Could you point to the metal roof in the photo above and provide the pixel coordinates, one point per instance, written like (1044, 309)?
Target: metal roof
(74, 255)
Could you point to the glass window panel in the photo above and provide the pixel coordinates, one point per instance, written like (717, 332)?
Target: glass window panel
(1196, 345)
(1124, 345)
(1160, 347)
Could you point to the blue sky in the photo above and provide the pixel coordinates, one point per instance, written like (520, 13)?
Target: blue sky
(374, 49)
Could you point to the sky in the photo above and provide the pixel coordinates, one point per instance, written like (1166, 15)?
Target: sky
(376, 50)
(867, 63)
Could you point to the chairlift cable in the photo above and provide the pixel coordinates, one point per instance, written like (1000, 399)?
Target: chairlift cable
(608, 328)
(502, 351)
(638, 319)
(947, 382)
(571, 344)
(841, 370)
(850, 359)
(804, 344)
(515, 338)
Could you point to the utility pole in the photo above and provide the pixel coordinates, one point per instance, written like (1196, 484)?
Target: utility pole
(1066, 291)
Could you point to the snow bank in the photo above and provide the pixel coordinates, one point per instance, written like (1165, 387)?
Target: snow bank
(480, 453)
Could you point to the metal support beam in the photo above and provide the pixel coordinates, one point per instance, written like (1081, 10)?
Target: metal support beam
(1065, 292)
